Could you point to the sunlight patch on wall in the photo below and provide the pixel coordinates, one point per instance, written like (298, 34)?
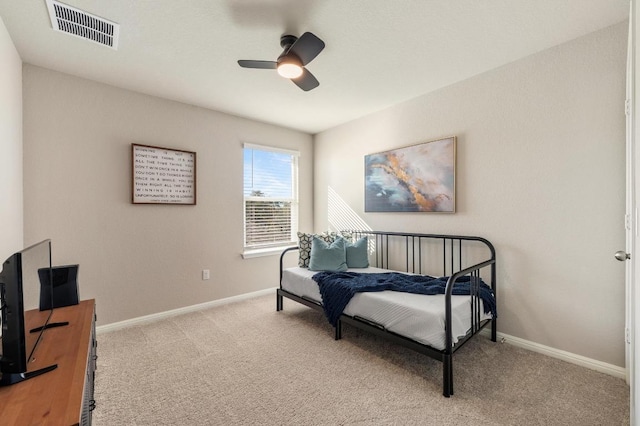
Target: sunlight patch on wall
(341, 216)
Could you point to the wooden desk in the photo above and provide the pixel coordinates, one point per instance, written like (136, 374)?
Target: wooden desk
(63, 396)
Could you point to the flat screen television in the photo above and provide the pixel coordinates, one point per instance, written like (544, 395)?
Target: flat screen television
(20, 285)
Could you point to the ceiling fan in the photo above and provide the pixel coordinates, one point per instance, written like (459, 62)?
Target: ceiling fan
(297, 53)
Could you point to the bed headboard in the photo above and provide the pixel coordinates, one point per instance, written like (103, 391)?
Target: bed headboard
(427, 254)
(430, 254)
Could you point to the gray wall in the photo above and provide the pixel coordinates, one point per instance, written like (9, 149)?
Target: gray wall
(11, 142)
(137, 260)
(540, 173)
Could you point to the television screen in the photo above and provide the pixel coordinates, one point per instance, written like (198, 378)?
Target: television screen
(20, 292)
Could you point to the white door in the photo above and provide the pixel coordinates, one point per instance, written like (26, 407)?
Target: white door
(632, 329)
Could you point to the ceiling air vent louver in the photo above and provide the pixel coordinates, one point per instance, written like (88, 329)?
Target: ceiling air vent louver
(81, 24)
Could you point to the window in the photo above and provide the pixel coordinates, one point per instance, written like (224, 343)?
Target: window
(270, 197)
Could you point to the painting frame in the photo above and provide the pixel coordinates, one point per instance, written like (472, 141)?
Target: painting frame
(419, 178)
(162, 175)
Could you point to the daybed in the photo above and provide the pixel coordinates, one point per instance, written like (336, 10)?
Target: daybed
(435, 325)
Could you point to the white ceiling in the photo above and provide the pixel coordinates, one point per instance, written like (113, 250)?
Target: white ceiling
(378, 52)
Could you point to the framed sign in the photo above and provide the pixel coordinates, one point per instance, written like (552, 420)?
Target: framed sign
(162, 175)
(418, 178)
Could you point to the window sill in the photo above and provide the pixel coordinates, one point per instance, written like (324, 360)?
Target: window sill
(271, 251)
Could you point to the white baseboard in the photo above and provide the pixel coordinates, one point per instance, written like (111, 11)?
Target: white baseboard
(193, 308)
(603, 367)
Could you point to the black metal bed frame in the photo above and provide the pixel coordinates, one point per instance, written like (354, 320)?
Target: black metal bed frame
(417, 247)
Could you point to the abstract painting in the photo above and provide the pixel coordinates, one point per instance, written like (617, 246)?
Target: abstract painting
(418, 178)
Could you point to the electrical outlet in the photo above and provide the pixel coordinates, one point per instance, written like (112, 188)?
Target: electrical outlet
(205, 274)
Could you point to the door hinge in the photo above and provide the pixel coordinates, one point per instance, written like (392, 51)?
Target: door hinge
(627, 222)
(627, 106)
(627, 335)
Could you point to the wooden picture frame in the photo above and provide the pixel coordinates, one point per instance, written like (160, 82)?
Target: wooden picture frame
(162, 175)
(417, 178)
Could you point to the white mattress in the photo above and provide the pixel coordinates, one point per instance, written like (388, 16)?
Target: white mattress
(416, 316)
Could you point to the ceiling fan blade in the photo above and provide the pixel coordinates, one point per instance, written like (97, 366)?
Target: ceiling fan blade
(307, 47)
(306, 81)
(266, 65)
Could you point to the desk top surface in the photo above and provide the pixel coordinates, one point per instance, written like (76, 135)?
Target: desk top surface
(55, 397)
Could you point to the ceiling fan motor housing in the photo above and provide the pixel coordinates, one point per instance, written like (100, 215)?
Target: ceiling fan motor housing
(286, 41)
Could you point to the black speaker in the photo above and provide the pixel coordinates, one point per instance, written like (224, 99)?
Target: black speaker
(63, 292)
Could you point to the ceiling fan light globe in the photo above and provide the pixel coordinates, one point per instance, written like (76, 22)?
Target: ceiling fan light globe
(289, 70)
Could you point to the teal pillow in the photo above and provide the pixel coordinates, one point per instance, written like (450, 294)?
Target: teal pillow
(357, 253)
(328, 256)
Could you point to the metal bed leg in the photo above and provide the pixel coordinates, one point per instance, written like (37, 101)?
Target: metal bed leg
(447, 376)
(451, 376)
(338, 330)
(278, 302)
(493, 330)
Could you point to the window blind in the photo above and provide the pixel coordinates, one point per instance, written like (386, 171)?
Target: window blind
(270, 196)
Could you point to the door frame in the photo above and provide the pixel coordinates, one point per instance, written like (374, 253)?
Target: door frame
(632, 294)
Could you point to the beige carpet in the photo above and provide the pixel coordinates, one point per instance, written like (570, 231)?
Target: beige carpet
(246, 364)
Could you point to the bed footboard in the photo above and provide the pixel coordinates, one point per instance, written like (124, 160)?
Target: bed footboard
(279, 292)
(455, 256)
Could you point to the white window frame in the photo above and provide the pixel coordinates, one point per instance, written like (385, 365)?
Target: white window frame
(273, 248)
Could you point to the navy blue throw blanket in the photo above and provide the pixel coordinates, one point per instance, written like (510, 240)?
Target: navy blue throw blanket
(337, 288)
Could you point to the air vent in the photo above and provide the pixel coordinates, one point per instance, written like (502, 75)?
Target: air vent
(81, 24)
